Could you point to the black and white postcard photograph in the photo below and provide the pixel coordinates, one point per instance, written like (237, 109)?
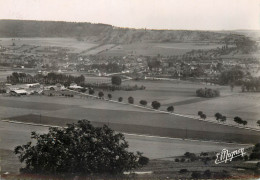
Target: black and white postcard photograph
(129, 89)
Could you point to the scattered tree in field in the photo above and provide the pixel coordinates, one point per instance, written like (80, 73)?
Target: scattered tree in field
(131, 100)
(83, 90)
(238, 120)
(156, 104)
(223, 119)
(120, 99)
(203, 116)
(244, 122)
(200, 113)
(116, 80)
(258, 122)
(91, 91)
(143, 160)
(231, 76)
(170, 109)
(218, 116)
(109, 96)
(100, 94)
(81, 148)
(143, 102)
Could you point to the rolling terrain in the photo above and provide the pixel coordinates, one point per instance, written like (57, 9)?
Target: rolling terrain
(103, 33)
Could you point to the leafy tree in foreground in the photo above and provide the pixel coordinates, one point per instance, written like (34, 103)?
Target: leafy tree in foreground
(156, 104)
(109, 96)
(81, 148)
(170, 109)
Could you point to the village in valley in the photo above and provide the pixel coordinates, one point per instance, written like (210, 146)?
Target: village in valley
(180, 97)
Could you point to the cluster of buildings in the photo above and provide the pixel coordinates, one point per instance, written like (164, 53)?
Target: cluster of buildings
(36, 88)
(194, 64)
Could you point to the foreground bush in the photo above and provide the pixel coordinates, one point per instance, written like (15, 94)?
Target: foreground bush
(81, 148)
(207, 92)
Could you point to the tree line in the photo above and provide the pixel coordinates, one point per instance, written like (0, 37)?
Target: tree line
(50, 78)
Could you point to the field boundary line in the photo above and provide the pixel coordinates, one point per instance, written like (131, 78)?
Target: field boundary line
(166, 112)
(132, 134)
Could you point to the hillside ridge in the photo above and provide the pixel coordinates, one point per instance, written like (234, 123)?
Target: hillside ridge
(103, 33)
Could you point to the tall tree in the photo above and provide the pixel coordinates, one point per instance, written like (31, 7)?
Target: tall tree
(80, 148)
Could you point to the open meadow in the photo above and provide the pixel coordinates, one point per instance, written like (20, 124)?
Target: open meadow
(153, 49)
(182, 95)
(39, 45)
(36, 45)
(155, 148)
(121, 117)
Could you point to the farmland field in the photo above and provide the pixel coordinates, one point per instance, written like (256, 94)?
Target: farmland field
(182, 96)
(72, 44)
(153, 49)
(38, 45)
(121, 117)
(153, 147)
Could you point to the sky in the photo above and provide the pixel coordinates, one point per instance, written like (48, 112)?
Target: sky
(151, 14)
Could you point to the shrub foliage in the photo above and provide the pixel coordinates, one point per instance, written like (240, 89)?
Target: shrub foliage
(207, 92)
(80, 148)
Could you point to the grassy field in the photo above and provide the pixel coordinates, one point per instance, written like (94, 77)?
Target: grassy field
(38, 45)
(182, 96)
(125, 118)
(71, 44)
(161, 151)
(153, 49)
